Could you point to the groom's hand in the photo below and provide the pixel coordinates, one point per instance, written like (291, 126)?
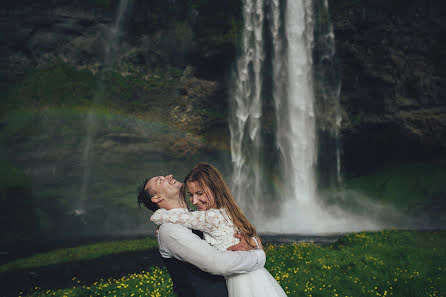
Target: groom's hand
(245, 244)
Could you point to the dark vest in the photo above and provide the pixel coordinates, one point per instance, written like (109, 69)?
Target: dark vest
(190, 281)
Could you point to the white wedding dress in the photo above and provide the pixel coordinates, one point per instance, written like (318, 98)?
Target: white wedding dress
(219, 231)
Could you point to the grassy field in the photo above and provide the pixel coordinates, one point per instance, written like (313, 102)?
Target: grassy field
(87, 252)
(387, 263)
(412, 188)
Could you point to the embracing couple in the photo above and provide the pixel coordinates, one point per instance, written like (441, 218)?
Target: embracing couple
(211, 252)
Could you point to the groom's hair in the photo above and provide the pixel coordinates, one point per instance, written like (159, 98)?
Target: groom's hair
(145, 196)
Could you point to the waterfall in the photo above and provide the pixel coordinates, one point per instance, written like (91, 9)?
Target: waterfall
(296, 120)
(294, 101)
(282, 196)
(247, 108)
(111, 48)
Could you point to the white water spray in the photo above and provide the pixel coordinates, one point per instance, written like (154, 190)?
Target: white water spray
(247, 108)
(111, 47)
(301, 210)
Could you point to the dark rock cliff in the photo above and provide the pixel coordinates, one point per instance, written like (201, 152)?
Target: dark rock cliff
(391, 58)
(178, 52)
(392, 64)
(155, 33)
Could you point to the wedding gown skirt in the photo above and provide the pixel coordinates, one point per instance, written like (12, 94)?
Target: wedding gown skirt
(257, 283)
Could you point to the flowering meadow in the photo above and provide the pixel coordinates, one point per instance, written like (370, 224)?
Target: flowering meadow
(386, 263)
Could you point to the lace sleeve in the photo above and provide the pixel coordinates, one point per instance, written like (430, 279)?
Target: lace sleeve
(207, 221)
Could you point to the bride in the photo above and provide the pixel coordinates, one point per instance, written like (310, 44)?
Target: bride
(219, 217)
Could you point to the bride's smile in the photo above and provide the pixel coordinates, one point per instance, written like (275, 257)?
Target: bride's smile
(199, 196)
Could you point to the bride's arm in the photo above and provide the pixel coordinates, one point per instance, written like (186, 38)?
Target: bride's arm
(206, 221)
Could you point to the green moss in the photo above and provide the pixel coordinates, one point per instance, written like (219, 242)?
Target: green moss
(230, 36)
(64, 86)
(55, 85)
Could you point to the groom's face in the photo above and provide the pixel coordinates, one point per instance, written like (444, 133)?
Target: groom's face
(165, 186)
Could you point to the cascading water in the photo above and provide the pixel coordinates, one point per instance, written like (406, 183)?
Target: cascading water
(247, 108)
(294, 177)
(111, 47)
(295, 135)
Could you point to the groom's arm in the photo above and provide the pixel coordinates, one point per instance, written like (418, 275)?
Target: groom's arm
(182, 244)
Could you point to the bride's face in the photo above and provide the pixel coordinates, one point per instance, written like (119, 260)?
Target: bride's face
(199, 196)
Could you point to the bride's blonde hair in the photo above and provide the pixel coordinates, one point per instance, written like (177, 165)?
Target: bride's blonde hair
(207, 175)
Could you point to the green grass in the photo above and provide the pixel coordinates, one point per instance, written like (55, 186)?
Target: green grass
(413, 188)
(387, 263)
(79, 253)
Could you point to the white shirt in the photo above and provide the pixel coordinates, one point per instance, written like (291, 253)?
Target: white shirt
(177, 241)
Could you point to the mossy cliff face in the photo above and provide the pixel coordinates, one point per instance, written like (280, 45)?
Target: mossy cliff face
(170, 62)
(390, 54)
(392, 64)
(154, 104)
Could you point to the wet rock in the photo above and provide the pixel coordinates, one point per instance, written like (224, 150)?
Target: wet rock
(196, 98)
(389, 63)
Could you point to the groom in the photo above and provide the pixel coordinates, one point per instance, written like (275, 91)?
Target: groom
(196, 268)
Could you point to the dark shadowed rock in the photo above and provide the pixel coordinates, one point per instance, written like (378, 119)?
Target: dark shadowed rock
(393, 80)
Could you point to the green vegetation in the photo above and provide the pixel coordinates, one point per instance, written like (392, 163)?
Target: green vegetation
(231, 36)
(413, 188)
(80, 253)
(387, 263)
(11, 177)
(56, 85)
(61, 85)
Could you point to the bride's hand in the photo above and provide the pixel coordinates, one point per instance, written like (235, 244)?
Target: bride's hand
(258, 242)
(246, 244)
